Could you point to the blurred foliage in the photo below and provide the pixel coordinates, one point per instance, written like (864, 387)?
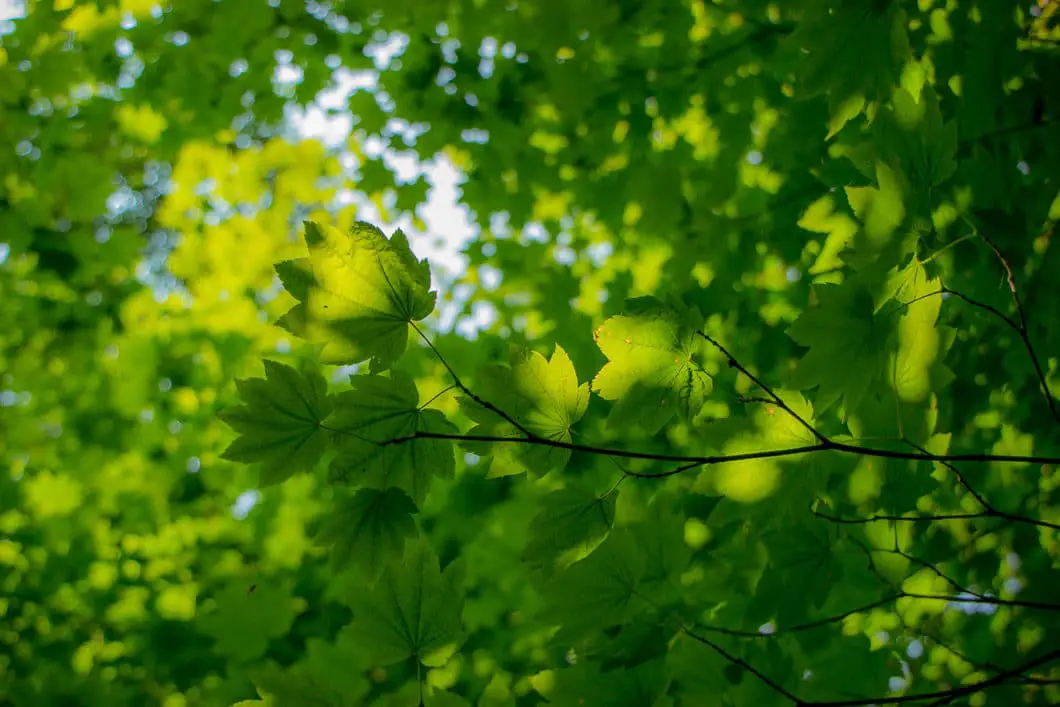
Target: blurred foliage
(794, 260)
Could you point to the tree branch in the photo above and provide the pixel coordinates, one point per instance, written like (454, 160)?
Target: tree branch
(920, 518)
(940, 697)
(467, 391)
(743, 664)
(733, 363)
(693, 461)
(1021, 329)
(808, 626)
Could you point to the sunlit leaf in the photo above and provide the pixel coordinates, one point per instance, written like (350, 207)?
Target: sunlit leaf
(380, 410)
(654, 364)
(358, 293)
(540, 394)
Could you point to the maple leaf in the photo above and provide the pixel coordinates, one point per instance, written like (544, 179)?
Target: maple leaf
(358, 292)
(412, 611)
(243, 624)
(378, 410)
(572, 521)
(845, 346)
(654, 364)
(368, 528)
(280, 422)
(543, 396)
(600, 590)
(590, 683)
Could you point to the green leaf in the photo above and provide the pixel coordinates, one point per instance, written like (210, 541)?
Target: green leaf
(919, 339)
(357, 292)
(541, 395)
(880, 209)
(654, 364)
(243, 622)
(368, 529)
(660, 537)
(412, 611)
(826, 55)
(638, 686)
(570, 524)
(699, 671)
(635, 644)
(280, 422)
(599, 591)
(288, 688)
(845, 345)
(380, 409)
(439, 698)
(802, 569)
(832, 666)
(923, 142)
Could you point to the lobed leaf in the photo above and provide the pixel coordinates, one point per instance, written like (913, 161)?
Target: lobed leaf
(358, 292)
(414, 610)
(654, 367)
(540, 394)
(368, 529)
(570, 524)
(378, 410)
(280, 422)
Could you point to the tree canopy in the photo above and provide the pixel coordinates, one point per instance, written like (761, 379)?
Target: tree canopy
(731, 378)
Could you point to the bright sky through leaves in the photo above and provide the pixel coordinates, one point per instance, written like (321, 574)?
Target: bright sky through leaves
(366, 354)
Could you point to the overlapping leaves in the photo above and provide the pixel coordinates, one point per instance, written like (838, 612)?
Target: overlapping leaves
(357, 292)
(670, 133)
(280, 421)
(369, 528)
(655, 364)
(845, 345)
(412, 611)
(541, 396)
(368, 419)
(570, 524)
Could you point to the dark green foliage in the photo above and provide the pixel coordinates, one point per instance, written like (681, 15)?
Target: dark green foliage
(744, 391)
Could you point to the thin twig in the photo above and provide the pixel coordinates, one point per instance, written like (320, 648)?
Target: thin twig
(957, 475)
(877, 518)
(998, 679)
(943, 696)
(808, 626)
(1022, 328)
(987, 600)
(733, 363)
(743, 664)
(936, 517)
(437, 395)
(467, 391)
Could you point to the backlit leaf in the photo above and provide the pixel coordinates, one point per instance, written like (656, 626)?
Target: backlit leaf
(369, 528)
(379, 410)
(358, 293)
(540, 394)
(654, 367)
